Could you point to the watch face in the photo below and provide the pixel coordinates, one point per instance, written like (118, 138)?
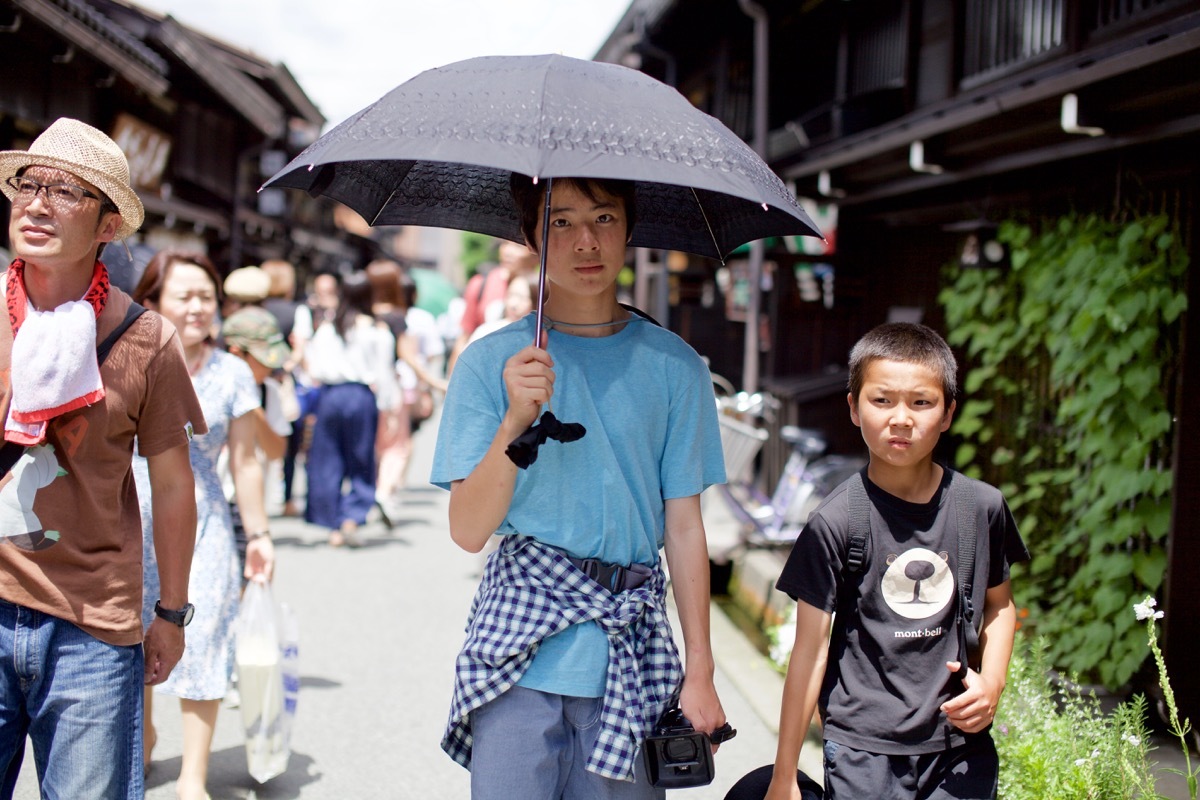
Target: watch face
(181, 617)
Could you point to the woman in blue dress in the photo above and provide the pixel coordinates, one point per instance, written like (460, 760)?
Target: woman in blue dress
(184, 288)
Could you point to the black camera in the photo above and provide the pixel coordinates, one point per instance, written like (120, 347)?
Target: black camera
(677, 755)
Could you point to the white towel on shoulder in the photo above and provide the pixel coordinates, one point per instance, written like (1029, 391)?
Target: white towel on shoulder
(54, 369)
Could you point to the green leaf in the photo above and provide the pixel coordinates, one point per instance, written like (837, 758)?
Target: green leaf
(1174, 306)
(1141, 379)
(1150, 568)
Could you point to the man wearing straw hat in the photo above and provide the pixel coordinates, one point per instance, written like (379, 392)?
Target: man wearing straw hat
(73, 654)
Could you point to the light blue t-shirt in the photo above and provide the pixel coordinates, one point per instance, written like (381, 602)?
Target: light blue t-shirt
(645, 398)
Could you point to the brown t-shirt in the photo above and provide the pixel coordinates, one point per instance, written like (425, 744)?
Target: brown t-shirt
(70, 529)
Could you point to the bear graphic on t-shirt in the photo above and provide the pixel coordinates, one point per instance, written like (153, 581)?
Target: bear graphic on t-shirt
(918, 583)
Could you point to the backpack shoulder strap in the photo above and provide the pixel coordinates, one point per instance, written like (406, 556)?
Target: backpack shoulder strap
(965, 504)
(966, 521)
(135, 310)
(860, 524)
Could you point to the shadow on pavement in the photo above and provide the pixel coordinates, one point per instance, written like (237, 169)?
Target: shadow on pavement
(313, 682)
(228, 779)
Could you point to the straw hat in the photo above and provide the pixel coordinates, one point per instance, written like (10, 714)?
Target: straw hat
(80, 149)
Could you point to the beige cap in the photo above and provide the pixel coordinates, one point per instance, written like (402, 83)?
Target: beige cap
(248, 285)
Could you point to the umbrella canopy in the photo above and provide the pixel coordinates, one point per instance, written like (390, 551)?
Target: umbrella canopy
(438, 150)
(434, 290)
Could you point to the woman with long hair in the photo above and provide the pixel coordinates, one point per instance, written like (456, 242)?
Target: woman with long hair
(185, 289)
(353, 358)
(394, 439)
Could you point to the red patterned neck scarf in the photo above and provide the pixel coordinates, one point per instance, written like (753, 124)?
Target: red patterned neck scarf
(54, 366)
(96, 294)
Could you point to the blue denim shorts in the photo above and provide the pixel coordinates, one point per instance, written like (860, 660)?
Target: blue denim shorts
(533, 745)
(78, 699)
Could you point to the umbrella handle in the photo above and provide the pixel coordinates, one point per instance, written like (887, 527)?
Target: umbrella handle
(541, 298)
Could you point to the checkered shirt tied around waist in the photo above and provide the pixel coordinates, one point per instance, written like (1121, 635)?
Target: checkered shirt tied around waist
(531, 591)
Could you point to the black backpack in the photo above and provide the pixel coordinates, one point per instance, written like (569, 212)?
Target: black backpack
(966, 520)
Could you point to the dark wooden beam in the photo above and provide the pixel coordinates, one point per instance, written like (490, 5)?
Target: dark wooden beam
(1181, 600)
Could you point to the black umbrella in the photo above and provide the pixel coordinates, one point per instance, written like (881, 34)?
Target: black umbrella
(438, 150)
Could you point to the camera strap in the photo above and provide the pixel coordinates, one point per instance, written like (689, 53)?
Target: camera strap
(11, 452)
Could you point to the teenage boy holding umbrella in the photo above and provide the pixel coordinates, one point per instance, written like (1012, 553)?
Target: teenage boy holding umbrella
(569, 659)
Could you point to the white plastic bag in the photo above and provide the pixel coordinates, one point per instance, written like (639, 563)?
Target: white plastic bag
(266, 656)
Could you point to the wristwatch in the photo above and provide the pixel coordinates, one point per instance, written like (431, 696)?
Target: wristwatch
(181, 617)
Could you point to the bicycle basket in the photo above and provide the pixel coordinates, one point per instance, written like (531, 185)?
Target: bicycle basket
(740, 443)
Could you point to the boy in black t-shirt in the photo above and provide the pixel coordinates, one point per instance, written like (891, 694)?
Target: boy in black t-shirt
(898, 721)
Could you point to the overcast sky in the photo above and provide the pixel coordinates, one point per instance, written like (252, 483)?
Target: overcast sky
(348, 53)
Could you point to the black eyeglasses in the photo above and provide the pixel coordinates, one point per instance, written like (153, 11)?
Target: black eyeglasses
(59, 194)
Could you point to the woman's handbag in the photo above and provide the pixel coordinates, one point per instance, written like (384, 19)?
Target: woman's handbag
(421, 408)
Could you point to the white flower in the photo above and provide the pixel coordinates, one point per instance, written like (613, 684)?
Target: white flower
(1079, 762)
(1133, 740)
(1145, 609)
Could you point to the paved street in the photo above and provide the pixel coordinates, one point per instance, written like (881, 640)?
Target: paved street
(380, 627)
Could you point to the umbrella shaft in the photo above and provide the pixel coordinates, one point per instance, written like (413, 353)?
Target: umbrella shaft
(541, 298)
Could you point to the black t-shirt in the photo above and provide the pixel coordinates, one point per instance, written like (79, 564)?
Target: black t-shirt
(284, 312)
(394, 320)
(886, 678)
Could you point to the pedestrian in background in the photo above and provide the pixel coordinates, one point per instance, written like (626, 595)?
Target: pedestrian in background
(295, 323)
(185, 288)
(422, 358)
(483, 297)
(245, 286)
(74, 654)
(352, 357)
(281, 297)
(519, 300)
(556, 717)
(252, 335)
(905, 711)
(325, 297)
(393, 441)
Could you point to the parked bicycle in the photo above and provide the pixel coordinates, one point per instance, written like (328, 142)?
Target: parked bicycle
(807, 478)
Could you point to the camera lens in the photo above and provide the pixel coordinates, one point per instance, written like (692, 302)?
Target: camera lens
(681, 750)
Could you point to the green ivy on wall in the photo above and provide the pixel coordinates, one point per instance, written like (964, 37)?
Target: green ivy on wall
(1073, 353)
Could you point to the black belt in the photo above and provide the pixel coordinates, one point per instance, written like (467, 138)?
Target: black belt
(614, 577)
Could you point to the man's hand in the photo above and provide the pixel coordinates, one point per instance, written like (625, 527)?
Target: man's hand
(975, 708)
(699, 703)
(163, 647)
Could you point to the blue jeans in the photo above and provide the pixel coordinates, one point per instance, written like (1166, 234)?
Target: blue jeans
(343, 447)
(533, 745)
(78, 699)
